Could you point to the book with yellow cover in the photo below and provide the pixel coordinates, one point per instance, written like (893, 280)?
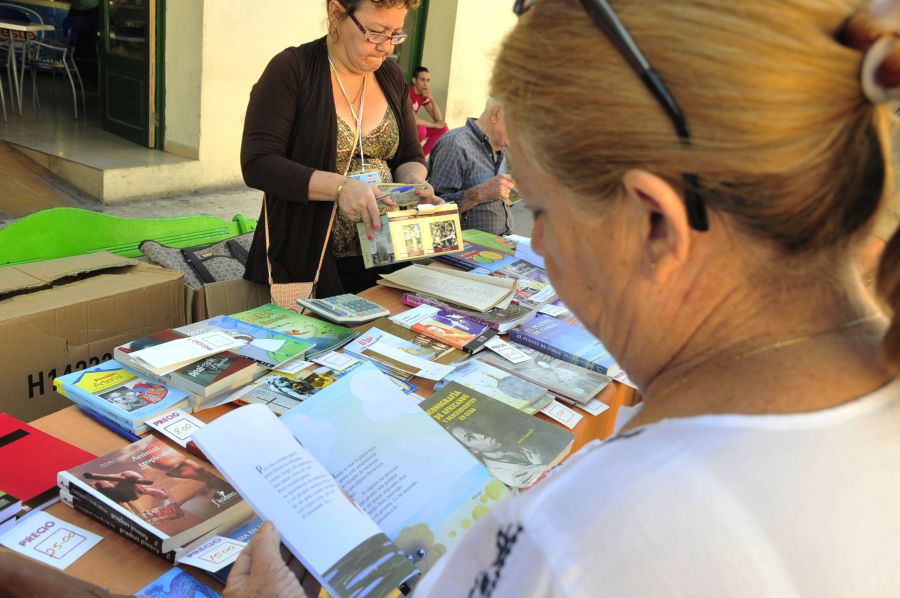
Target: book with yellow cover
(424, 231)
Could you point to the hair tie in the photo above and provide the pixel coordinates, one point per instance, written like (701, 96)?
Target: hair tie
(874, 29)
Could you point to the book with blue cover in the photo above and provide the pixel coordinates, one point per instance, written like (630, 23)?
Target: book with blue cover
(115, 392)
(266, 346)
(564, 341)
(178, 583)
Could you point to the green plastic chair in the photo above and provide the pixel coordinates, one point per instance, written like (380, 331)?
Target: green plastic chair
(63, 232)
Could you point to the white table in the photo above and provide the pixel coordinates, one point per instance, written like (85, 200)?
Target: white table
(28, 29)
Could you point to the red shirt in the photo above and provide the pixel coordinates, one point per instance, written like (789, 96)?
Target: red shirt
(417, 100)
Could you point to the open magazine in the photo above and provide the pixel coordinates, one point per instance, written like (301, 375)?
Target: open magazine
(336, 476)
(424, 231)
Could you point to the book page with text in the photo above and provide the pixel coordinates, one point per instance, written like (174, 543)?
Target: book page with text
(345, 550)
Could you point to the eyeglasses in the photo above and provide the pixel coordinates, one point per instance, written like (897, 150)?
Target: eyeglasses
(372, 36)
(609, 23)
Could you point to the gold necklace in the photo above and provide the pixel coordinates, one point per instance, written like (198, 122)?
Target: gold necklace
(781, 344)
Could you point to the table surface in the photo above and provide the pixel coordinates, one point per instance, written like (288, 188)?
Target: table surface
(26, 26)
(123, 567)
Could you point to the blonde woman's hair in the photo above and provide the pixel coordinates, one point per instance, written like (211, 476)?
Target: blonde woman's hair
(785, 145)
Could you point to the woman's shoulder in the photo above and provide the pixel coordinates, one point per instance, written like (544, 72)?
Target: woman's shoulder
(391, 73)
(300, 58)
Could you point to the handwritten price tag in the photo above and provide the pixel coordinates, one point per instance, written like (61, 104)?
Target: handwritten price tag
(176, 424)
(49, 540)
(213, 554)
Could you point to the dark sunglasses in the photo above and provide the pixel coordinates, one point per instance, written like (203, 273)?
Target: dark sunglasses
(609, 23)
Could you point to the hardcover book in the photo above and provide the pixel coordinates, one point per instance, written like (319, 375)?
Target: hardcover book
(112, 390)
(450, 328)
(517, 449)
(323, 335)
(29, 460)
(205, 378)
(160, 489)
(360, 509)
(564, 341)
(266, 346)
(502, 386)
(563, 379)
(501, 320)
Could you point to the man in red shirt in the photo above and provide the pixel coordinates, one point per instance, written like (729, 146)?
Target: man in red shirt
(420, 96)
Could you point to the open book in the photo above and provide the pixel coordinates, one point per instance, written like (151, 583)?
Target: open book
(469, 290)
(360, 509)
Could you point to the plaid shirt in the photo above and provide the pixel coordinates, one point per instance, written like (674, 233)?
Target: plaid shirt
(462, 159)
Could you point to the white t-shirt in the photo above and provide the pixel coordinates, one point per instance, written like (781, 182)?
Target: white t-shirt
(780, 505)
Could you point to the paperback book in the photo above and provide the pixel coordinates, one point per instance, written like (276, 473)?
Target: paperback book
(447, 327)
(490, 241)
(564, 341)
(425, 231)
(565, 380)
(499, 385)
(475, 256)
(266, 346)
(501, 320)
(281, 392)
(30, 459)
(207, 378)
(177, 583)
(323, 335)
(164, 496)
(115, 392)
(336, 476)
(472, 291)
(517, 449)
(166, 357)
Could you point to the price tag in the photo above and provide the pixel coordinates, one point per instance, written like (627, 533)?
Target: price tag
(336, 361)
(176, 425)
(567, 417)
(294, 365)
(506, 350)
(594, 407)
(49, 540)
(553, 310)
(213, 554)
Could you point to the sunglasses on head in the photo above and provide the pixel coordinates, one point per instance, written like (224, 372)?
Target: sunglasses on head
(609, 23)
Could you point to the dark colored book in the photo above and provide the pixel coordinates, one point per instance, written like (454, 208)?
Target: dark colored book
(517, 449)
(88, 504)
(30, 460)
(160, 488)
(501, 320)
(206, 378)
(564, 341)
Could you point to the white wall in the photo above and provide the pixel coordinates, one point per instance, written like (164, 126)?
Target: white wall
(184, 28)
(480, 27)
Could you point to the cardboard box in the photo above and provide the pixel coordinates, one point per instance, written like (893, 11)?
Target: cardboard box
(224, 298)
(62, 315)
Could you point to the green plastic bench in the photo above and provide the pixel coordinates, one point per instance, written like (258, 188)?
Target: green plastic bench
(63, 232)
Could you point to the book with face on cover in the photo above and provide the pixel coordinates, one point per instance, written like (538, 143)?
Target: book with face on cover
(268, 347)
(450, 328)
(360, 508)
(501, 320)
(164, 491)
(206, 378)
(563, 379)
(517, 449)
(117, 393)
(324, 336)
(503, 386)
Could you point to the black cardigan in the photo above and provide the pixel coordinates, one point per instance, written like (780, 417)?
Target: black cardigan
(290, 131)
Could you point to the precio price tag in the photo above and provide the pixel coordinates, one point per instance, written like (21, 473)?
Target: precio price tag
(49, 540)
(176, 425)
(213, 554)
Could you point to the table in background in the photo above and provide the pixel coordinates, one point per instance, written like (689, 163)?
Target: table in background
(124, 567)
(28, 29)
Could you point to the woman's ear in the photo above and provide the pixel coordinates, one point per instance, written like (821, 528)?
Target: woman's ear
(663, 225)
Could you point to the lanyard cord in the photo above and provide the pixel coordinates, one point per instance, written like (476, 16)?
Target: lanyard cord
(357, 117)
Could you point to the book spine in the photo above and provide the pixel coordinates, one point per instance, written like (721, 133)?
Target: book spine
(526, 339)
(477, 344)
(84, 503)
(456, 261)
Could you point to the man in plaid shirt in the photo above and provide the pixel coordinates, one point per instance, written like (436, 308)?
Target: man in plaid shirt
(464, 167)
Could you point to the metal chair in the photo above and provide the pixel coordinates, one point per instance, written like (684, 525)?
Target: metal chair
(47, 57)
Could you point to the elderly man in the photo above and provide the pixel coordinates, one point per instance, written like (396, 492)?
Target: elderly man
(464, 167)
